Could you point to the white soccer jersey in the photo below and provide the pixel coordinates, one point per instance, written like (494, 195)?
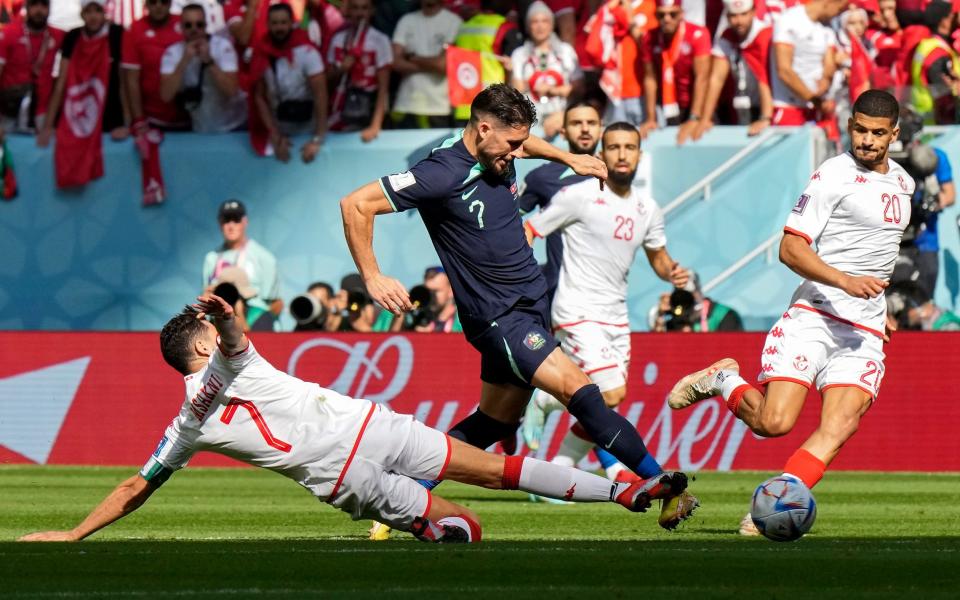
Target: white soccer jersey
(810, 40)
(243, 407)
(601, 234)
(856, 217)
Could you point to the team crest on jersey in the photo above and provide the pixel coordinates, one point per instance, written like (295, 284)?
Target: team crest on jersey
(801, 363)
(801, 204)
(534, 341)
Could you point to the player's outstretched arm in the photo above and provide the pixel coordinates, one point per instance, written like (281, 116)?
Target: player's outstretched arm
(232, 338)
(797, 254)
(358, 209)
(666, 268)
(582, 164)
(126, 498)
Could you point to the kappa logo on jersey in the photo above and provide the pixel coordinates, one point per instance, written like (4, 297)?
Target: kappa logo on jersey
(767, 368)
(801, 363)
(398, 181)
(771, 350)
(776, 332)
(600, 201)
(534, 341)
(801, 204)
(860, 179)
(815, 176)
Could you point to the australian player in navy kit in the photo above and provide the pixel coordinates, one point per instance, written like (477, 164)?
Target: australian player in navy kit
(466, 193)
(581, 127)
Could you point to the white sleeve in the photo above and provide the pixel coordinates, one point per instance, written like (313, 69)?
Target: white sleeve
(384, 51)
(783, 32)
(563, 209)
(172, 453)
(518, 58)
(171, 56)
(656, 235)
(235, 363)
(813, 209)
(336, 41)
(226, 56)
(570, 63)
(720, 48)
(312, 63)
(402, 32)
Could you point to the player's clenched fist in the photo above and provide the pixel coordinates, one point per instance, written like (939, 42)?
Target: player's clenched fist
(584, 164)
(389, 293)
(49, 536)
(863, 287)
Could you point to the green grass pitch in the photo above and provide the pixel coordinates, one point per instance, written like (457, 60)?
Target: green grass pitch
(250, 533)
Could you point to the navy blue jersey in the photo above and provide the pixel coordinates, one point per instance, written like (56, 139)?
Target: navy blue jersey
(539, 187)
(472, 217)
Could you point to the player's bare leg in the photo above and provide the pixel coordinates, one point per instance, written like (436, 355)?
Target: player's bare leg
(843, 407)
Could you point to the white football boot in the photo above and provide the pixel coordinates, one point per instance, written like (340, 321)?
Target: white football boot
(700, 385)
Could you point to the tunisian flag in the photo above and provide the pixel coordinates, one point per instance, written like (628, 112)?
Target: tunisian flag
(78, 155)
(463, 75)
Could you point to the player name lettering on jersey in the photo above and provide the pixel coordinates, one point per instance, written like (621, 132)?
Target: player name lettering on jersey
(201, 403)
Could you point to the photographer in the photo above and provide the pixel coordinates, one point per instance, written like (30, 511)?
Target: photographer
(935, 191)
(233, 285)
(687, 309)
(911, 309)
(312, 310)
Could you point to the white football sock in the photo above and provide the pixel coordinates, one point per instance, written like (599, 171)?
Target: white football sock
(728, 381)
(573, 448)
(613, 470)
(563, 483)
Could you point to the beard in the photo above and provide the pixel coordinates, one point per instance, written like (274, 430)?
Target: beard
(621, 179)
(280, 39)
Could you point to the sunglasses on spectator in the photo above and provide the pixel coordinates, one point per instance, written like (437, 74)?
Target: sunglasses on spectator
(193, 24)
(231, 219)
(663, 14)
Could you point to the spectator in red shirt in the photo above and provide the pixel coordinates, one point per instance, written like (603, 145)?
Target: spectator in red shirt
(886, 35)
(143, 47)
(739, 88)
(28, 48)
(676, 67)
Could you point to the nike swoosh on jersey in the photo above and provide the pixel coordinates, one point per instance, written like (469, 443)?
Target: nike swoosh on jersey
(466, 195)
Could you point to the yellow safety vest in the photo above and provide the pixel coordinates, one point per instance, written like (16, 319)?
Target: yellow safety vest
(920, 94)
(479, 33)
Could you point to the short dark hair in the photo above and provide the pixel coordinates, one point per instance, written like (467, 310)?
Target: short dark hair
(177, 338)
(194, 7)
(621, 126)
(281, 6)
(322, 285)
(505, 104)
(877, 103)
(582, 103)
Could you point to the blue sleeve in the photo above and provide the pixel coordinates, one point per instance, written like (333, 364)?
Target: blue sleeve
(944, 172)
(427, 181)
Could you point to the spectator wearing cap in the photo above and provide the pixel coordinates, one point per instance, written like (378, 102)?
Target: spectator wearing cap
(238, 250)
(233, 285)
(359, 58)
(739, 87)
(676, 67)
(200, 72)
(545, 68)
(804, 47)
(95, 26)
(355, 311)
(419, 57)
(290, 86)
(143, 47)
(935, 70)
(28, 48)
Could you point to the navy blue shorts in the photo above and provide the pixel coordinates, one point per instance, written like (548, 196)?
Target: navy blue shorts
(515, 344)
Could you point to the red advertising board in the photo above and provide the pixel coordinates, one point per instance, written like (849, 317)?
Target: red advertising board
(105, 398)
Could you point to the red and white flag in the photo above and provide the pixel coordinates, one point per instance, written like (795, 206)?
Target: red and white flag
(464, 81)
(78, 155)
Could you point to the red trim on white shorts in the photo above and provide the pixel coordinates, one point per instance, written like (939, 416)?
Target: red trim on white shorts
(598, 369)
(799, 233)
(533, 229)
(582, 321)
(805, 384)
(824, 313)
(426, 512)
(853, 385)
(446, 462)
(353, 452)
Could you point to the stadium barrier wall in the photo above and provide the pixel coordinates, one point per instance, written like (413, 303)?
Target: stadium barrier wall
(95, 259)
(106, 398)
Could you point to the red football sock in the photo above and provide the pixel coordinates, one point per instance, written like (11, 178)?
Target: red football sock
(806, 466)
(733, 402)
(512, 465)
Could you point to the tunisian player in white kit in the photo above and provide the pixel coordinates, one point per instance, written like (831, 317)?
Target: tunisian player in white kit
(353, 454)
(854, 209)
(602, 231)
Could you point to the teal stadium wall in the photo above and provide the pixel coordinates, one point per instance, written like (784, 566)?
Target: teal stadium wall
(95, 259)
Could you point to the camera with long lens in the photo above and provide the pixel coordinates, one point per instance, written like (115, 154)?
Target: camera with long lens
(920, 162)
(309, 312)
(422, 313)
(228, 292)
(682, 312)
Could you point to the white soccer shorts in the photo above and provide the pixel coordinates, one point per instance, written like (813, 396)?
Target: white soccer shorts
(379, 481)
(812, 348)
(602, 351)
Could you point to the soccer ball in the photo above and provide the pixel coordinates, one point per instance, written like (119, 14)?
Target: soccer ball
(783, 508)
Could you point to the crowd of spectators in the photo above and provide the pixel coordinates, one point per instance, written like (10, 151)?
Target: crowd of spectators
(309, 66)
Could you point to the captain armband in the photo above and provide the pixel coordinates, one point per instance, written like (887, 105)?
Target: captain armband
(155, 473)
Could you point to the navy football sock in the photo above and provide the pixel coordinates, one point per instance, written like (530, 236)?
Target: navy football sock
(477, 430)
(611, 431)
